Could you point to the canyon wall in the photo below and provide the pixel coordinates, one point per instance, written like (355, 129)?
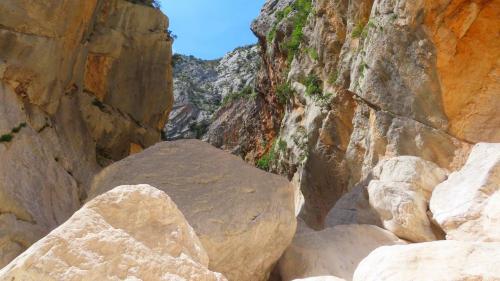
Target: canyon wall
(351, 82)
(201, 87)
(82, 84)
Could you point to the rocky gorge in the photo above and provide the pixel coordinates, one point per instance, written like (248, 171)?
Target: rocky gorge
(358, 140)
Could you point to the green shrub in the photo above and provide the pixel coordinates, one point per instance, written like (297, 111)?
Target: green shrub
(280, 15)
(16, 130)
(282, 145)
(272, 34)
(247, 92)
(334, 76)
(357, 30)
(313, 53)
(313, 85)
(267, 159)
(199, 129)
(6, 138)
(362, 67)
(303, 9)
(284, 92)
(10, 136)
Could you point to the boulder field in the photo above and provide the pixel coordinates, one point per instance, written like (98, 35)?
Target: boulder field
(358, 140)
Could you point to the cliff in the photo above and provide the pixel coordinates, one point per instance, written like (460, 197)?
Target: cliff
(201, 87)
(349, 83)
(82, 84)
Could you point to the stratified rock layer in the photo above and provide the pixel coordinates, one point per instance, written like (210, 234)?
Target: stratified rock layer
(467, 204)
(82, 83)
(243, 216)
(128, 233)
(438, 260)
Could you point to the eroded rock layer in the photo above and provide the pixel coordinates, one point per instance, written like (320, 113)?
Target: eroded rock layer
(350, 83)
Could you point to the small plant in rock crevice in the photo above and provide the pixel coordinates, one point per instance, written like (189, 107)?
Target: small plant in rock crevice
(247, 92)
(6, 138)
(357, 30)
(313, 54)
(302, 10)
(9, 136)
(334, 76)
(284, 92)
(313, 85)
(268, 158)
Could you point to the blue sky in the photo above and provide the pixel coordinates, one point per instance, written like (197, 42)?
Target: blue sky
(210, 28)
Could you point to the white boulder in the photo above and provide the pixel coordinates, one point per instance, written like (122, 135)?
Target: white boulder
(400, 194)
(467, 205)
(432, 261)
(244, 217)
(333, 251)
(129, 233)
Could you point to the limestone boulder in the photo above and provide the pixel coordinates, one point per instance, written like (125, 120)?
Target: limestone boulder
(437, 260)
(244, 217)
(333, 251)
(467, 205)
(400, 194)
(128, 233)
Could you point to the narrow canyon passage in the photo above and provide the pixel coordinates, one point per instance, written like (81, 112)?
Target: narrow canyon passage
(336, 140)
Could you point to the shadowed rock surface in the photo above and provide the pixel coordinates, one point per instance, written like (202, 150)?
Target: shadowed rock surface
(83, 83)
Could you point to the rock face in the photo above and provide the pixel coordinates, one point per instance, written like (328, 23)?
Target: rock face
(353, 208)
(339, 90)
(201, 87)
(467, 205)
(400, 194)
(131, 232)
(243, 216)
(86, 83)
(438, 260)
(333, 251)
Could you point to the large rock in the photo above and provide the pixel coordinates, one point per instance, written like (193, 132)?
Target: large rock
(243, 216)
(438, 260)
(401, 193)
(467, 205)
(333, 251)
(91, 82)
(129, 233)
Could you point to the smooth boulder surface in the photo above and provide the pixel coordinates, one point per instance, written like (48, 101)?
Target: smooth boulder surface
(432, 261)
(401, 193)
(243, 216)
(467, 205)
(333, 251)
(129, 233)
